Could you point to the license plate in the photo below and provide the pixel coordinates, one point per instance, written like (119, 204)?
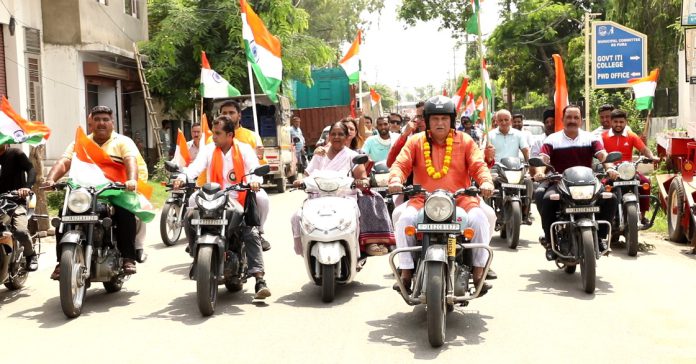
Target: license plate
(626, 183)
(208, 222)
(79, 218)
(582, 210)
(513, 185)
(438, 227)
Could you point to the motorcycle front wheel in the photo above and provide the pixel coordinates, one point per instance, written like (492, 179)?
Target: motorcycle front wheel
(588, 265)
(512, 226)
(206, 280)
(73, 285)
(435, 301)
(631, 233)
(170, 223)
(328, 282)
(19, 278)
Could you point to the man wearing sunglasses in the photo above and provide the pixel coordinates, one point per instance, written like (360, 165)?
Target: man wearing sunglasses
(395, 121)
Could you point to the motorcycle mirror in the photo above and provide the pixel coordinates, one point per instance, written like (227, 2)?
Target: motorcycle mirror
(262, 170)
(613, 157)
(537, 162)
(360, 159)
(170, 166)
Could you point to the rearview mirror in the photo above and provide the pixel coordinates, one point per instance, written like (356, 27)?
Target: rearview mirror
(613, 157)
(360, 159)
(262, 170)
(172, 167)
(536, 162)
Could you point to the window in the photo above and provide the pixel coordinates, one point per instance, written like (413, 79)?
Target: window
(131, 8)
(33, 57)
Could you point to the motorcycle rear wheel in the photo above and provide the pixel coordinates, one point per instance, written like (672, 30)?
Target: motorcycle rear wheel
(435, 301)
(72, 286)
(171, 216)
(20, 279)
(631, 233)
(206, 280)
(328, 282)
(588, 264)
(512, 226)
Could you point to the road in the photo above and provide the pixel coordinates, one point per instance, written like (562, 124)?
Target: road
(534, 314)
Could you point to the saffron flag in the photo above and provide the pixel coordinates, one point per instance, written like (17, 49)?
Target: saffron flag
(92, 167)
(212, 84)
(351, 61)
(206, 138)
(459, 97)
(560, 98)
(470, 105)
(14, 129)
(375, 97)
(262, 51)
(644, 89)
(182, 157)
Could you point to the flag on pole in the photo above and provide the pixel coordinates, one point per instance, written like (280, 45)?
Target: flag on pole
(472, 25)
(459, 97)
(262, 51)
(351, 60)
(14, 129)
(488, 94)
(470, 105)
(182, 157)
(375, 97)
(92, 166)
(560, 97)
(212, 84)
(206, 138)
(644, 89)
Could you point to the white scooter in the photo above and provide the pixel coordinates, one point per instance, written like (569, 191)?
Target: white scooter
(330, 229)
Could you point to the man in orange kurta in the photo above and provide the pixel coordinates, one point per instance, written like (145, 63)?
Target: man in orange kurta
(441, 172)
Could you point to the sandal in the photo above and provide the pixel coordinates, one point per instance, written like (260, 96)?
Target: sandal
(128, 266)
(56, 273)
(376, 249)
(407, 284)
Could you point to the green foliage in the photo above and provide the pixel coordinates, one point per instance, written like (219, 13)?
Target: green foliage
(452, 13)
(323, 15)
(532, 100)
(159, 174)
(159, 194)
(54, 201)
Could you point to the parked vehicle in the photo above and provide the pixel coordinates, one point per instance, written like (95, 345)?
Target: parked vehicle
(330, 230)
(535, 127)
(89, 251)
(510, 202)
(219, 252)
(574, 233)
(172, 217)
(628, 190)
(444, 270)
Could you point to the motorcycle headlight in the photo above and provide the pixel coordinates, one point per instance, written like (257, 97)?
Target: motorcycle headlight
(582, 192)
(327, 184)
(210, 204)
(513, 176)
(627, 171)
(79, 201)
(439, 207)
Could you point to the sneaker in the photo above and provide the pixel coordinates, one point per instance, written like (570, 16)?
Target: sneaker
(140, 256)
(32, 263)
(543, 241)
(265, 245)
(262, 290)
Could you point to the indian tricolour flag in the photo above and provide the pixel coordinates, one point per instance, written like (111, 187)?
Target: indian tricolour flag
(92, 167)
(644, 89)
(351, 61)
(14, 129)
(212, 84)
(375, 97)
(182, 157)
(488, 93)
(262, 50)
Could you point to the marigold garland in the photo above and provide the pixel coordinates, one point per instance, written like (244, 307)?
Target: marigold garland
(445, 163)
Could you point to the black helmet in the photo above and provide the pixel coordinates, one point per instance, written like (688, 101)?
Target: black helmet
(439, 105)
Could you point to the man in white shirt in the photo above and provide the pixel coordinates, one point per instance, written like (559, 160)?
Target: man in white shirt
(226, 162)
(194, 144)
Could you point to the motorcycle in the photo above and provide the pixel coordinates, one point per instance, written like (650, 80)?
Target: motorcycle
(574, 232)
(219, 253)
(444, 270)
(13, 264)
(509, 203)
(172, 218)
(379, 179)
(330, 230)
(628, 191)
(89, 251)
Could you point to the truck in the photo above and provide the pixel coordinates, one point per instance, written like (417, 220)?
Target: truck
(274, 130)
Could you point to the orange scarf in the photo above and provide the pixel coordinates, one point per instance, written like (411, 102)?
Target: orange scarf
(216, 166)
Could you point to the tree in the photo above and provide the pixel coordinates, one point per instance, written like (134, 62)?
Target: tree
(324, 13)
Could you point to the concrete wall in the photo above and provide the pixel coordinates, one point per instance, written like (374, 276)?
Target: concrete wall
(61, 21)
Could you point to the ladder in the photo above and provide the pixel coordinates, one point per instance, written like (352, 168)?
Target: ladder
(151, 114)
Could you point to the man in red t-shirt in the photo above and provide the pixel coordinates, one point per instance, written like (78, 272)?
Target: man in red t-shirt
(620, 139)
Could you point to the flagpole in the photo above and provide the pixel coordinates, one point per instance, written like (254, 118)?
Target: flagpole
(483, 82)
(253, 97)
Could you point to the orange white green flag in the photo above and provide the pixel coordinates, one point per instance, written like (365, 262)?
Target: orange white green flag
(212, 84)
(459, 97)
(182, 157)
(91, 166)
(351, 61)
(14, 129)
(375, 97)
(262, 51)
(644, 89)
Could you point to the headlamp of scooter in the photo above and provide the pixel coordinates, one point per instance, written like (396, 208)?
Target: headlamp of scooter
(79, 200)
(327, 184)
(582, 192)
(513, 176)
(210, 204)
(439, 207)
(627, 171)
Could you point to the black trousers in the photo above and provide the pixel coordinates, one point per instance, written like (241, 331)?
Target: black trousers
(124, 231)
(547, 209)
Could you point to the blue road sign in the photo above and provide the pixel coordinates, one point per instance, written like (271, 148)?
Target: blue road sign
(618, 54)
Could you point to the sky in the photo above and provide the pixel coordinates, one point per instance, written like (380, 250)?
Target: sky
(389, 51)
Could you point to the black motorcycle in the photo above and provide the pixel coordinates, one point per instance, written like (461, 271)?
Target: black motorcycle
(444, 271)
(13, 264)
(628, 190)
(172, 218)
(574, 232)
(511, 202)
(89, 251)
(218, 251)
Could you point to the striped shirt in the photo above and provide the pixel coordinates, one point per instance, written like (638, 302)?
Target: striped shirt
(565, 152)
